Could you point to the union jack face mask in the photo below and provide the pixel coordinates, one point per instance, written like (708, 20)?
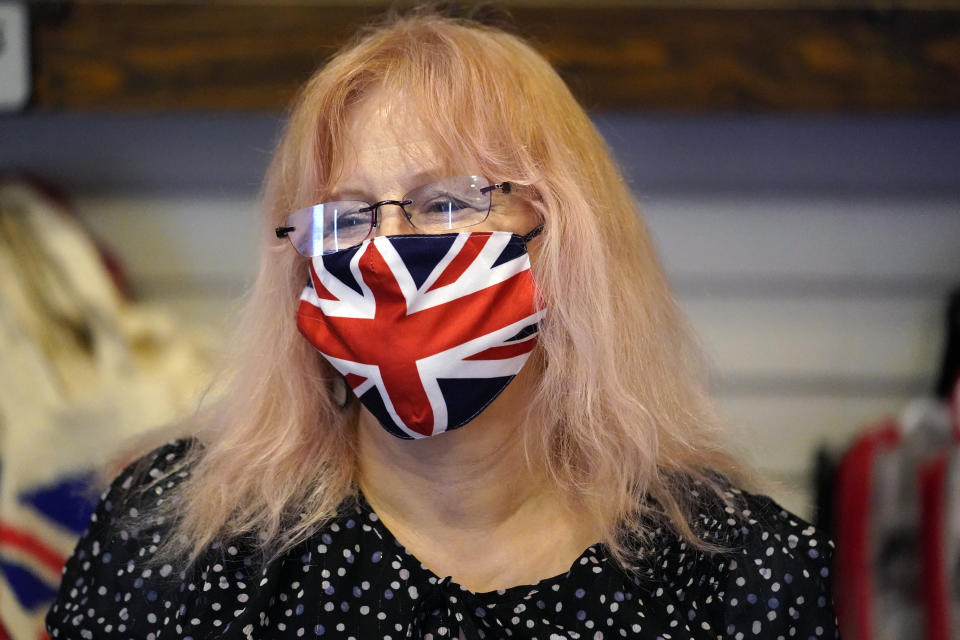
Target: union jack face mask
(426, 329)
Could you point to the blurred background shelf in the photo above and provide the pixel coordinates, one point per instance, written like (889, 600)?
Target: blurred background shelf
(684, 57)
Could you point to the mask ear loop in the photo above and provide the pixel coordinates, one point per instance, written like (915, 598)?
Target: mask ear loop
(533, 233)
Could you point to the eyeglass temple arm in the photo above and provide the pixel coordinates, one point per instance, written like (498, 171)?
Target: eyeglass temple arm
(283, 231)
(503, 186)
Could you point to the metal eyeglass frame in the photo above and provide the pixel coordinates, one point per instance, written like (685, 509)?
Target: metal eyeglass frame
(506, 187)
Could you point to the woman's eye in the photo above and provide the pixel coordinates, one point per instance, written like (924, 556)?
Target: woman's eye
(444, 205)
(347, 221)
(351, 220)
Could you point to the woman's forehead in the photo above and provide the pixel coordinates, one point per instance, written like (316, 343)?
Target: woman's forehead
(387, 147)
(383, 124)
(379, 166)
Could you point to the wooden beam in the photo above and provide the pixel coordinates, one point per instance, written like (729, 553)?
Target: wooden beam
(177, 57)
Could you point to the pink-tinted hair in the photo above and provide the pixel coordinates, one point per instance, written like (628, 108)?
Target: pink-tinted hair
(621, 405)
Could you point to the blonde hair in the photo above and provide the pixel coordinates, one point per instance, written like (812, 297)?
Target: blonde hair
(625, 425)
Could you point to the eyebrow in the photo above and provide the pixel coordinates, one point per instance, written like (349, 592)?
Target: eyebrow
(417, 180)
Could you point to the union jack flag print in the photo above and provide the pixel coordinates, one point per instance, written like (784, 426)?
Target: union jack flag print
(426, 329)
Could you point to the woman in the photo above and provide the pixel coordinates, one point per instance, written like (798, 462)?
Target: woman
(482, 417)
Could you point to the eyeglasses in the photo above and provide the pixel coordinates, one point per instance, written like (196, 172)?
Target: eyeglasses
(447, 205)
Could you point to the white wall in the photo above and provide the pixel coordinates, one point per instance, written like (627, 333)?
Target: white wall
(813, 255)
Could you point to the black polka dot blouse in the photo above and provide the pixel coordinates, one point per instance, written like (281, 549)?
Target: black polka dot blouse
(353, 580)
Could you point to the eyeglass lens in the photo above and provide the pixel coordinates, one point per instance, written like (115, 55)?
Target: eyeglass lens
(450, 204)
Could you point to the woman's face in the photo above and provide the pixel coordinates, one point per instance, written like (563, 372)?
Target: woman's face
(379, 169)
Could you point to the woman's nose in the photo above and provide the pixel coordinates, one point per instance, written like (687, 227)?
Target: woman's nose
(391, 221)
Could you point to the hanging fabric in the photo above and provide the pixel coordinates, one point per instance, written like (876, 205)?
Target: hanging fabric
(82, 373)
(939, 494)
(897, 518)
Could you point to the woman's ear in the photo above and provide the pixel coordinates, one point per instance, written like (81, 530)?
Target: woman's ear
(339, 391)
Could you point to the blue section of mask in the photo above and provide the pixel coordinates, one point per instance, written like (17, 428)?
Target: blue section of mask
(528, 330)
(421, 253)
(464, 395)
(374, 404)
(514, 249)
(338, 264)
